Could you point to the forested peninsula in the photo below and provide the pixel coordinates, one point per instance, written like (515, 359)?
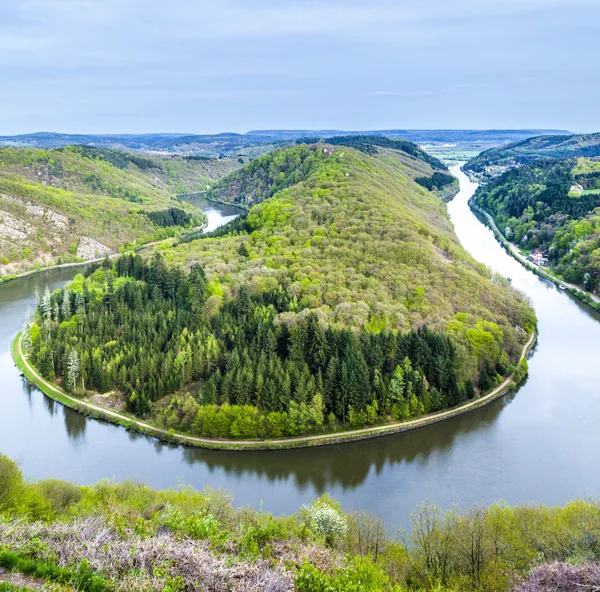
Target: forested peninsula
(341, 300)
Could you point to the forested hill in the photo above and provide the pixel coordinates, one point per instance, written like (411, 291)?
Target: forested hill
(552, 206)
(343, 299)
(497, 160)
(82, 202)
(273, 172)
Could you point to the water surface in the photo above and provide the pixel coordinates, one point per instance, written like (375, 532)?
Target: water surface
(540, 444)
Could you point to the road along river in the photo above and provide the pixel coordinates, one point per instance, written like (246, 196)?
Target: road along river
(539, 445)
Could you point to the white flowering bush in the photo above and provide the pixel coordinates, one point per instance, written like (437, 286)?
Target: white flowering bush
(326, 521)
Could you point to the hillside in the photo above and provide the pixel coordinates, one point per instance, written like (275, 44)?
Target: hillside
(495, 161)
(270, 173)
(107, 537)
(81, 202)
(342, 299)
(552, 206)
(341, 228)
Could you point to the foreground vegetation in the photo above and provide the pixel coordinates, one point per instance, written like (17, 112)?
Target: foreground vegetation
(109, 537)
(77, 202)
(552, 206)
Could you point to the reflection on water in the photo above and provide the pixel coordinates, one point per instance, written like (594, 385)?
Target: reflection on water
(535, 445)
(74, 423)
(347, 465)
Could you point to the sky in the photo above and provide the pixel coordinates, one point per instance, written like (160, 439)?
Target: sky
(135, 66)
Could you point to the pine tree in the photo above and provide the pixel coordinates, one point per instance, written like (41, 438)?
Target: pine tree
(73, 370)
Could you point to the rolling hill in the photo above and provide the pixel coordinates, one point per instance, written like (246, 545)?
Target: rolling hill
(356, 237)
(498, 160)
(80, 202)
(552, 206)
(256, 142)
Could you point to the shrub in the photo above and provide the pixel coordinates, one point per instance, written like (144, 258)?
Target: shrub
(326, 521)
(11, 479)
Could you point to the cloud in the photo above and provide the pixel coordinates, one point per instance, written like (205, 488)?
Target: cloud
(162, 63)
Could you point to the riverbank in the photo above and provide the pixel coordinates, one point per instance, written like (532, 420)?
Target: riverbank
(513, 250)
(131, 423)
(143, 247)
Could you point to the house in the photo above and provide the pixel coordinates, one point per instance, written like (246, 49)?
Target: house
(538, 258)
(327, 150)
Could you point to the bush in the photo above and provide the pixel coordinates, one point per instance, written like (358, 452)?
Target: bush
(362, 575)
(11, 479)
(326, 521)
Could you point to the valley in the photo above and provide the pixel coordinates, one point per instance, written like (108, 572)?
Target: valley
(80, 203)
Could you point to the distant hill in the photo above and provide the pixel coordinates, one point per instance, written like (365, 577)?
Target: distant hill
(82, 202)
(254, 143)
(497, 160)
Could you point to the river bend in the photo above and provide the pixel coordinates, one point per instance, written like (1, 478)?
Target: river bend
(540, 444)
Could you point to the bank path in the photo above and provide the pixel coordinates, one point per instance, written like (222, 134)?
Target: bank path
(83, 406)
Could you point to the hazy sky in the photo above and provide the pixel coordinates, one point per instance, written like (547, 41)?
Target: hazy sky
(197, 66)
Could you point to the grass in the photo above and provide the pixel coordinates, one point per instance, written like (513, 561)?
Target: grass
(6, 587)
(82, 578)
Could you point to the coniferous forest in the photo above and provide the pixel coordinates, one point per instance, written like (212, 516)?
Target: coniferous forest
(143, 329)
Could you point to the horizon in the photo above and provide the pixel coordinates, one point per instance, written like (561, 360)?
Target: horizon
(294, 130)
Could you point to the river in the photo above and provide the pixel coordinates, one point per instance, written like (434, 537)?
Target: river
(537, 445)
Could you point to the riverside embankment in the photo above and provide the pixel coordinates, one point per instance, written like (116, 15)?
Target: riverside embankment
(88, 408)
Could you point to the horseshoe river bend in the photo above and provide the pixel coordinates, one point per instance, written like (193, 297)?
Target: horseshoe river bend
(539, 444)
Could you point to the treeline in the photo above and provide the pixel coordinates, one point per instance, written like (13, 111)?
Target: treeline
(117, 158)
(181, 539)
(369, 145)
(255, 365)
(436, 181)
(538, 148)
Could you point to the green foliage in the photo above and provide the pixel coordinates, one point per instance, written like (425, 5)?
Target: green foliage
(535, 208)
(358, 240)
(369, 144)
(81, 577)
(436, 181)
(480, 549)
(268, 174)
(536, 148)
(360, 575)
(112, 197)
(257, 367)
(11, 480)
